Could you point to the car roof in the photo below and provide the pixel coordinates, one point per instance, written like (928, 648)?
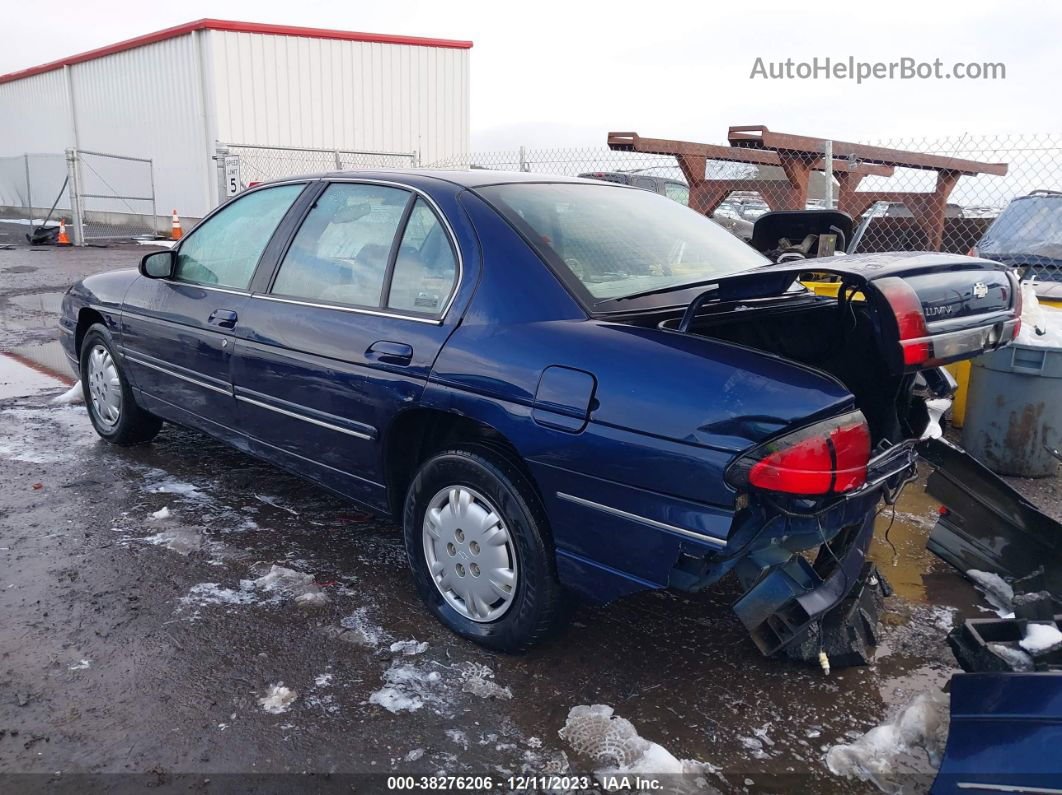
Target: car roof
(466, 178)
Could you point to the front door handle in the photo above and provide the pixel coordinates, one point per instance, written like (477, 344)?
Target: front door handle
(225, 318)
(390, 352)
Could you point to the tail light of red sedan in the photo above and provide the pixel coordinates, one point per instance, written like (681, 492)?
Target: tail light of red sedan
(829, 457)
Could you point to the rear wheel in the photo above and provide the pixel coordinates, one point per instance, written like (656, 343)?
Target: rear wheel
(478, 546)
(111, 405)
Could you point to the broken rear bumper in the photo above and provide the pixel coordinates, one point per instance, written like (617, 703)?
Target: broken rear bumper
(790, 601)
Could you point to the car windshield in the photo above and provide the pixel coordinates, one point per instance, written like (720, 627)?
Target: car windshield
(620, 242)
(1030, 226)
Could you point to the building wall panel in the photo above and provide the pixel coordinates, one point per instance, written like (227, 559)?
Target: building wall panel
(35, 115)
(146, 102)
(310, 92)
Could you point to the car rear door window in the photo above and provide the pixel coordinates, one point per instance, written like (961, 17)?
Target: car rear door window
(224, 251)
(425, 268)
(341, 251)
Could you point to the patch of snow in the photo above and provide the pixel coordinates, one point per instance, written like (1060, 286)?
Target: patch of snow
(365, 632)
(312, 599)
(161, 513)
(177, 487)
(873, 757)
(291, 584)
(614, 746)
(459, 737)
(1040, 638)
(407, 688)
(210, 593)
(997, 591)
(1040, 325)
(278, 699)
(322, 680)
(181, 540)
(754, 746)
(71, 396)
(80, 666)
(478, 680)
(1015, 658)
(409, 647)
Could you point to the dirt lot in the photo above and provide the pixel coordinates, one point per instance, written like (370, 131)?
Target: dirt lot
(138, 645)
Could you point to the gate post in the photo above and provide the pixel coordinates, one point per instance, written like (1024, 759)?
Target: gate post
(77, 210)
(220, 153)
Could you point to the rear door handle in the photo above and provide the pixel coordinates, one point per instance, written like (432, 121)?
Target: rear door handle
(225, 318)
(390, 352)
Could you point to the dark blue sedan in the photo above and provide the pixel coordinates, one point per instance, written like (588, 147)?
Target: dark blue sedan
(554, 385)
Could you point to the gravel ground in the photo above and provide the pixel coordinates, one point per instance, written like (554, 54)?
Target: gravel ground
(140, 645)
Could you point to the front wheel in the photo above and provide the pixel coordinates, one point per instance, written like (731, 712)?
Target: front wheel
(477, 543)
(111, 406)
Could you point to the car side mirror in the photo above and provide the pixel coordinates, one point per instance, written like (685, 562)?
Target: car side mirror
(158, 265)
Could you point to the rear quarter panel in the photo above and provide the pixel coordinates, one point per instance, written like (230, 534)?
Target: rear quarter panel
(668, 414)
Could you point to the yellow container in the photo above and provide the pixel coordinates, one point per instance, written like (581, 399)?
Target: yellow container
(961, 371)
(824, 288)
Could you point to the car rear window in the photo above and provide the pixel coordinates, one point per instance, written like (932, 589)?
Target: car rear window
(615, 242)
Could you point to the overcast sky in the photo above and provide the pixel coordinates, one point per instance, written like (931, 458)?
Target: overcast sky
(564, 73)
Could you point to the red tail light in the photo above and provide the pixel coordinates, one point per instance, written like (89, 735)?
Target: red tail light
(914, 336)
(826, 458)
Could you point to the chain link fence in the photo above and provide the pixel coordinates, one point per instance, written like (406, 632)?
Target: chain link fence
(100, 196)
(890, 205)
(242, 165)
(30, 185)
(114, 196)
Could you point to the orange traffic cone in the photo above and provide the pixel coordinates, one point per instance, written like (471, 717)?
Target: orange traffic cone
(176, 232)
(63, 239)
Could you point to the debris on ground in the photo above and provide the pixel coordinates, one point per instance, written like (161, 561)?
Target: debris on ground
(81, 665)
(998, 592)
(614, 747)
(291, 584)
(360, 630)
(278, 699)
(161, 513)
(874, 757)
(211, 593)
(478, 680)
(181, 540)
(409, 647)
(407, 688)
(1041, 638)
(71, 396)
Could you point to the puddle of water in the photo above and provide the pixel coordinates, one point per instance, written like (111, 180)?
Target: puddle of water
(902, 556)
(19, 377)
(48, 356)
(45, 303)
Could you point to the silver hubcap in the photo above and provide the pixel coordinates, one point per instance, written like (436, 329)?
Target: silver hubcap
(469, 553)
(105, 388)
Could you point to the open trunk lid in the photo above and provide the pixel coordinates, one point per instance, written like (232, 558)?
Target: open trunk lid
(929, 308)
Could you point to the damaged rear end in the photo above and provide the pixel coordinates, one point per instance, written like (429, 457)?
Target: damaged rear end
(807, 496)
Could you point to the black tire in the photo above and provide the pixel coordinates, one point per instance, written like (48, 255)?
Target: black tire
(133, 425)
(537, 608)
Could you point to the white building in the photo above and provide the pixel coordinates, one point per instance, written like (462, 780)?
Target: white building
(174, 96)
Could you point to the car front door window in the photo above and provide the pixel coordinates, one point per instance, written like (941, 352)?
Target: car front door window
(225, 250)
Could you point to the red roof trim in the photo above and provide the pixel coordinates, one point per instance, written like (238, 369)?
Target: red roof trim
(237, 27)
